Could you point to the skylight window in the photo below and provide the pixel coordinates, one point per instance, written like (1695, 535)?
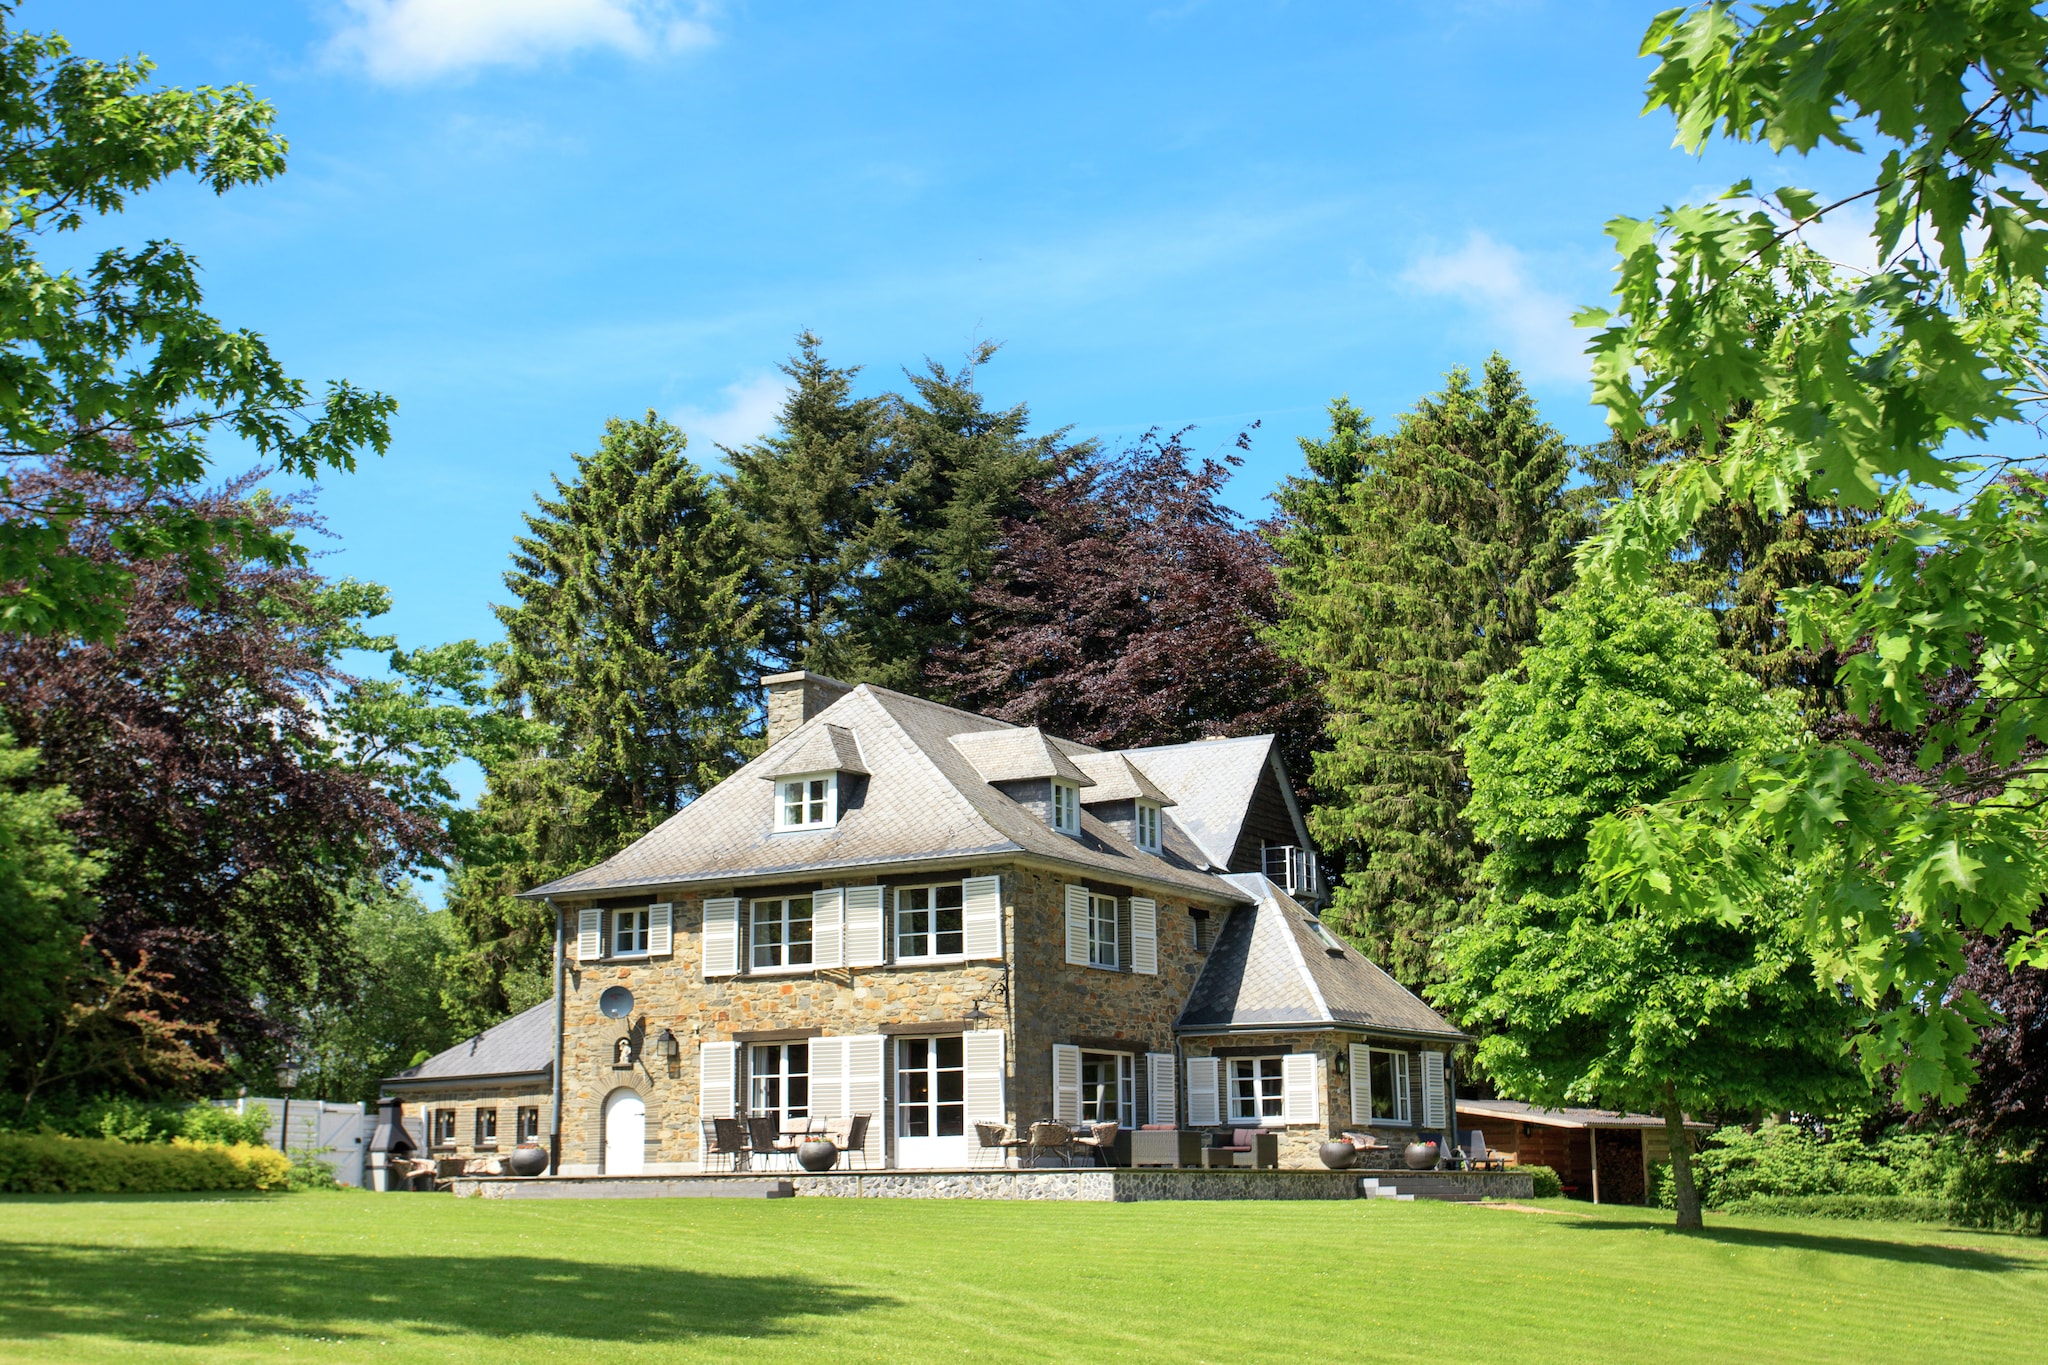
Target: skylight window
(1325, 937)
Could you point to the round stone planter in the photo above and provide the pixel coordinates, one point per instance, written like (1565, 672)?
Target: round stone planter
(817, 1155)
(527, 1159)
(1338, 1154)
(1420, 1156)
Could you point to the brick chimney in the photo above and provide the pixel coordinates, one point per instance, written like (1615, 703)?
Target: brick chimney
(794, 698)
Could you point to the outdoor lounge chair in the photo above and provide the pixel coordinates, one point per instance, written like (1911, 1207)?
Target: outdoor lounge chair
(855, 1148)
(1478, 1156)
(1101, 1140)
(994, 1144)
(1253, 1147)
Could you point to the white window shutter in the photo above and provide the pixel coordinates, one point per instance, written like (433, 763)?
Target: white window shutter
(1077, 926)
(1298, 1088)
(981, 916)
(1361, 1084)
(865, 1088)
(983, 1055)
(1203, 1111)
(1401, 1105)
(589, 935)
(715, 1076)
(661, 930)
(1144, 936)
(828, 1078)
(1066, 1083)
(828, 928)
(1433, 1090)
(1159, 1086)
(721, 936)
(863, 927)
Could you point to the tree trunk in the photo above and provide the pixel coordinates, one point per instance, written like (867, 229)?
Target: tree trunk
(1687, 1195)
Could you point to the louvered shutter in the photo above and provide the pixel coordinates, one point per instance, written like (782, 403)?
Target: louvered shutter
(865, 1087)
(1066, 1083)
(1144, 936)
(661, 930)
(715, 1077)
(981, 916)
(1159, 1086)
(983, 1054)
(721, 936)
(1298, 1088)
(863, 943)
(1077, 926)
(828, 927)
(1433, 1090)
(1402, 1106)
(589, 935)
(828, 1078)
(1202, 1107)
(1361, 1084)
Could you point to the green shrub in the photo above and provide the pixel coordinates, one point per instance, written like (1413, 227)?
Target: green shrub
(1894, 1208)
(309, 1172)
(123, 1118)
(1548, 1186)
(212, 1123)
(50, 1163)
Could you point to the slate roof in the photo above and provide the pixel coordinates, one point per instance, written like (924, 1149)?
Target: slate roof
(1270, 969)
(523, 1045)
(1116, 779)
(1211, 782)
(827, 749)
(1012, 755)
(925, 801)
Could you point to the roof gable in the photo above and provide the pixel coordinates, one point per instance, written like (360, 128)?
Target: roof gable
(523, 1045)
(1212, 782)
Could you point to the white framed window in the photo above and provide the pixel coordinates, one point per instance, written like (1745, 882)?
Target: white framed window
(529, 1123)
(629, 933)
(1102, 931)
(779, 1080)
(444, 1128)
(931, 1087)
(1066, 808)
(807, 802)
(929, 922)
(486, 1127)
(781, 933)
(1387, 1085)
(1258, 1090)
(1109, 1091)
(1148, 827)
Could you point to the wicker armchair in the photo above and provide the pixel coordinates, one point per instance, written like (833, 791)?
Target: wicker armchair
(1052, 1137)
(1100, 1140)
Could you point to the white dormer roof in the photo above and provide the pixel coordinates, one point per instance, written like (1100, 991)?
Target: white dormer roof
(1116, 780)
(1017, 755)
(825, 749)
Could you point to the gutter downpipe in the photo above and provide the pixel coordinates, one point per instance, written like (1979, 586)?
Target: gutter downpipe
(555, 1105)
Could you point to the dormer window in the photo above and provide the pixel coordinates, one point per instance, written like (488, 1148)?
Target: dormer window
(807, 802)
(1066, 808)
(1148, 827)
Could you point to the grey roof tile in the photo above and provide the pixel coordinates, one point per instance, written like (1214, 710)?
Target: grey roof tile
(1014, 755)
(1211, 781)
(924, 800)
(1116, 780)
(1269, 967)
(522, 1045)
(826, 749)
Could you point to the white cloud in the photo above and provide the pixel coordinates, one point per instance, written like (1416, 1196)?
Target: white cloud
(750, 411)
(415, 40)
(1528, 323)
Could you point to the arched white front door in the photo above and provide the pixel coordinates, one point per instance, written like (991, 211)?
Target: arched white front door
(625, 1133)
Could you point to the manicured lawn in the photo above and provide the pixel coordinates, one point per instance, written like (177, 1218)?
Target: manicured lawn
(420, 1277)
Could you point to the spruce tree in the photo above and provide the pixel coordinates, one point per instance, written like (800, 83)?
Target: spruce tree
(808, 496)
(956, 471)
(1414, 567)
(631, 636)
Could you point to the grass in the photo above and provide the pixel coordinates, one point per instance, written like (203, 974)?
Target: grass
(342, 1277)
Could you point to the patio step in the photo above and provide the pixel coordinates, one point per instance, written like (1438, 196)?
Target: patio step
(1370, 1188)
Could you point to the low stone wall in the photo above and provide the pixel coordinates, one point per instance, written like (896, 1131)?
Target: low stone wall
(1110, 1186)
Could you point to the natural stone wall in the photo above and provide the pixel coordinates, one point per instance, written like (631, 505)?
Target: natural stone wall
(1093, 1186)
(1300, 1144)
(419, 1107)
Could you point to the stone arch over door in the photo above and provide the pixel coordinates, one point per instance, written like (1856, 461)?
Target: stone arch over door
(623, 1132)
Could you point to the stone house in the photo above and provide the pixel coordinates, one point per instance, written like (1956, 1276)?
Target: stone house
(904, 910)
(486, 1095)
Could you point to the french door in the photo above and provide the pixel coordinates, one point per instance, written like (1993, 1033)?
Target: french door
(931, 1102)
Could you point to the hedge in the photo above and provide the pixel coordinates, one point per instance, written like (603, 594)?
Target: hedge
(1891, 1208)
(47, 1163)
(1548, 1186)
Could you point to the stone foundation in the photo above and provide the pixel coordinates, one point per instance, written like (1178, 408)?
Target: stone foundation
(1108, 1186)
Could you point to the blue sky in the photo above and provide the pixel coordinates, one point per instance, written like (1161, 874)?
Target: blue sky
(520, 217)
